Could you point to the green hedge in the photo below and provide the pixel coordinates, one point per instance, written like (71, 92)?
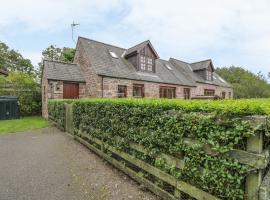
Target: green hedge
(161, 125)
(56, 109)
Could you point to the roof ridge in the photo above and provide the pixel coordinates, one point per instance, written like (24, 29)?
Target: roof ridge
(101, 42)
(138, 44)
(162, 59)
(202, 61)
(58, 61)
(179, 60)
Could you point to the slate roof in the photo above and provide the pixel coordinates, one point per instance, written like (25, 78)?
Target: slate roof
(170, 72)
(188, 70)
(181, 73)
(138, 47)
(104, 64)
(63, 71)
(204, 64)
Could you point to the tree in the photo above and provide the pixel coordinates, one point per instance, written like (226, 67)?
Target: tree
(14, 61)
(245, 83)
(54, 53)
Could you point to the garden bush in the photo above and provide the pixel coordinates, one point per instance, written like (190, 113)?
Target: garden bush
(161, 126)
(56, 109)
(27, 90)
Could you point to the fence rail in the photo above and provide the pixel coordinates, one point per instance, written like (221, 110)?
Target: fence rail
(255, 156)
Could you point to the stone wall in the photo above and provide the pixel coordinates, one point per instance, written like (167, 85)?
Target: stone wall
(44, 90)
(54, 90)
(151, 90)
(218, 90)
(93, 81)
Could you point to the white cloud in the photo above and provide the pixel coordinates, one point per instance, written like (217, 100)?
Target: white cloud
(231, 32)
(52, 14)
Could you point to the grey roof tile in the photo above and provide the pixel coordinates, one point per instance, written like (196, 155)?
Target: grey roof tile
(200, 65)
(105, 65)
(63, 71)
(188, 70)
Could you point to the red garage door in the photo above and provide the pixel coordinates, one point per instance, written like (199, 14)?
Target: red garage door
(71, 91)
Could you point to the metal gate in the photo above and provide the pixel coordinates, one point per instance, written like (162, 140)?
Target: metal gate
(9, 107)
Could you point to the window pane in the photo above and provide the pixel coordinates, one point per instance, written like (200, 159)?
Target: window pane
(167, 92)
(149, 61)
(142, 59)
(122, 91)
(142, 66)
(138, 91)
(208, 92)
(149, 67)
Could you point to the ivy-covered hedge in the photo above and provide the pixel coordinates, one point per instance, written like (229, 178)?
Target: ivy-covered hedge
(56, 109)
(161, 126)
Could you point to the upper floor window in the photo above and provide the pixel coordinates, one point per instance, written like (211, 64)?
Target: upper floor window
(209, 75)
(146, 63)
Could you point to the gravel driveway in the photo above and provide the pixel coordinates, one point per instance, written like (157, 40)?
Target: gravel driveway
(47, 164)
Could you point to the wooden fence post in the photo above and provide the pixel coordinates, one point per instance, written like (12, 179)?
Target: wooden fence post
(69, 118)
(255, 145)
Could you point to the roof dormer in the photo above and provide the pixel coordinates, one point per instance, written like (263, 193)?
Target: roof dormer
(143, 56)
(204, 69)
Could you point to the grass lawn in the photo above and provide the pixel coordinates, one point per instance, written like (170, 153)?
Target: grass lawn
(23, 124)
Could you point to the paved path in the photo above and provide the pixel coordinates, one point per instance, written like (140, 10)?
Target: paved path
(47, 164)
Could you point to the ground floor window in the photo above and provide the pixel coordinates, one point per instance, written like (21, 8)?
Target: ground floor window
(122, 91)
(186, 93)
(138, 90)
(208, 92)
(223, 95)
(167, 92)
(230, 95)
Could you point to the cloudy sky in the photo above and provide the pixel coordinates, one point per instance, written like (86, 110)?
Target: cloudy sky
(231, 32)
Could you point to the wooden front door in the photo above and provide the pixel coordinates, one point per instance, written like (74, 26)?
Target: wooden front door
(71, 91)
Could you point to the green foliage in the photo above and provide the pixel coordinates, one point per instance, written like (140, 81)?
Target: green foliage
(161, 126)
(25, 87)
(67, 54)
(14, 61)
(56, 109)
(57, 54)
(245, 83)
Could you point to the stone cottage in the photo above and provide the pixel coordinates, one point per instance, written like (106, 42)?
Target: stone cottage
(104, 70)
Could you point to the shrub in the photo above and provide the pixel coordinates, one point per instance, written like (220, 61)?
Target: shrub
(162, 125)
(24, 87)
(56, 109)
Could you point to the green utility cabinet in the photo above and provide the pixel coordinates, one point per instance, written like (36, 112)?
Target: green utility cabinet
(9, 108)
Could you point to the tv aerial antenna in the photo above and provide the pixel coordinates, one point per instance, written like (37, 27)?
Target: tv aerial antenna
(73, 25)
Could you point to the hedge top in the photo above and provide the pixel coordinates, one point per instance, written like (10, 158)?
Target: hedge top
(240, 107)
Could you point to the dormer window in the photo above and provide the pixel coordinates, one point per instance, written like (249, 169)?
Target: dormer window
(143, 64)
(209, 75)
(142, 57)
(146, 63)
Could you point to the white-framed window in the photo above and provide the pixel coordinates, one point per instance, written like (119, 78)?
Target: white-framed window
(142, 59)
(143, 66)
(146, 63)
(150, 67)
(208, 75)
